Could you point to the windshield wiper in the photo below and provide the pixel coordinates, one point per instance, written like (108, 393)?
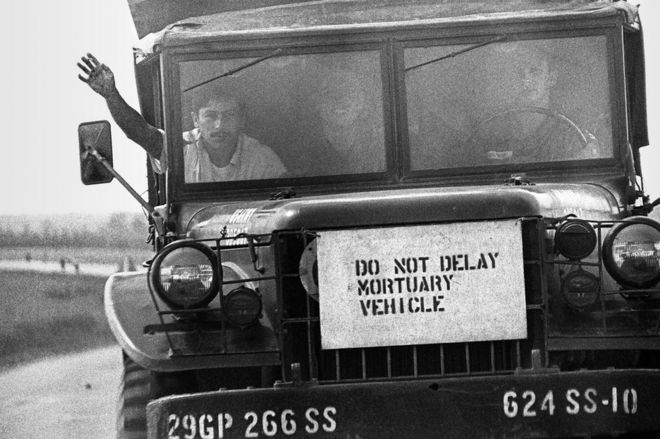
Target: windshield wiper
(237, 69)
(458, 52)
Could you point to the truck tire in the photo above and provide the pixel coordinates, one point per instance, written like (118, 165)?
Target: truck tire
(139, 386)
(135, 392)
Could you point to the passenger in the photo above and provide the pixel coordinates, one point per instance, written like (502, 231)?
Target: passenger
(348, 126)
(217, 149)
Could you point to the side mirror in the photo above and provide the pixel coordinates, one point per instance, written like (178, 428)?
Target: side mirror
(94, 136)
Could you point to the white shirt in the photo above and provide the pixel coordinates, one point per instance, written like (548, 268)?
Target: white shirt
(251, 161)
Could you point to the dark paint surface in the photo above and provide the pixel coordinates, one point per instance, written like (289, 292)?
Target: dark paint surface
(400, 207)
(582, 402)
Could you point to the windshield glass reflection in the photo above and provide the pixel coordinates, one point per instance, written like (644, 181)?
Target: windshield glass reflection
(286, 116)
(509, 102)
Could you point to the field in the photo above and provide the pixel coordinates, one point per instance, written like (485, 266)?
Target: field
(93, 255)
(52, 273)
(49, 313)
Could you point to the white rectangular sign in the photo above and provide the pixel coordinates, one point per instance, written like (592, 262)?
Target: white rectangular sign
(442, 283)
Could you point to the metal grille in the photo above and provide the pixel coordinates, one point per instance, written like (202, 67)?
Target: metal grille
(617, 321)
(202, 331)
(621, 318)
(301, 332)
(408, 362)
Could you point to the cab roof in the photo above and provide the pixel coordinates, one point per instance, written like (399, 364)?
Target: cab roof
(328, 14)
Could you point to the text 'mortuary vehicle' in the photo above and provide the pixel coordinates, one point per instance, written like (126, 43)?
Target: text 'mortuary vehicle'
(434, 223)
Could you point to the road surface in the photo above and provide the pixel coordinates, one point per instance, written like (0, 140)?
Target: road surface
(63, 397)
(104, 270)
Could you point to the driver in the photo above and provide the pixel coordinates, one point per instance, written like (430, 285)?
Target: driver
(528, 129)
(215, 150)
(536, 81)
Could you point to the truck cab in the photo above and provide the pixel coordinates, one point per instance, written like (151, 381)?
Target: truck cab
(395, 219)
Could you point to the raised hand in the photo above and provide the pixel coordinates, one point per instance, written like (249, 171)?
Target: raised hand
(98, 76)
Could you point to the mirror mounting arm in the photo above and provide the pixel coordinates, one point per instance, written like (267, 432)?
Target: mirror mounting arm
(159, 223)
(651, 206)
(646, 207)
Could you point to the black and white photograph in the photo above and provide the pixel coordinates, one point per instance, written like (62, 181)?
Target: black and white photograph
(343, 219)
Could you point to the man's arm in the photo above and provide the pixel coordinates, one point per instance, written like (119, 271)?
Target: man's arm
(100, 78)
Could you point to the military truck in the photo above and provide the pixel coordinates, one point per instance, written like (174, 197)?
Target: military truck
(459, 247)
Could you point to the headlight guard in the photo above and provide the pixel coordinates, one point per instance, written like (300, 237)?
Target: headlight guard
(185, 275)
(631, 252)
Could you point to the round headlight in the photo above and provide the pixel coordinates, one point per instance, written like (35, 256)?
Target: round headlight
(575, 239)
(631, 252)
(242, 306)
(580, 289)
(308, 268)
(184, 275)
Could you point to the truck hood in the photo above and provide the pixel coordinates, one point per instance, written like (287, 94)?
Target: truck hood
(399, 207)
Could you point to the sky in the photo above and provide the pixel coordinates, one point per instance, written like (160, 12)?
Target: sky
(43, 102)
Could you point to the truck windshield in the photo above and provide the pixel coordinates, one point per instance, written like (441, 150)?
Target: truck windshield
(508, 102)
(288, 116)
(501, 102)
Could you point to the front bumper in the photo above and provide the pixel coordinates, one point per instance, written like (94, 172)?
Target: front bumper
(513, 406)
